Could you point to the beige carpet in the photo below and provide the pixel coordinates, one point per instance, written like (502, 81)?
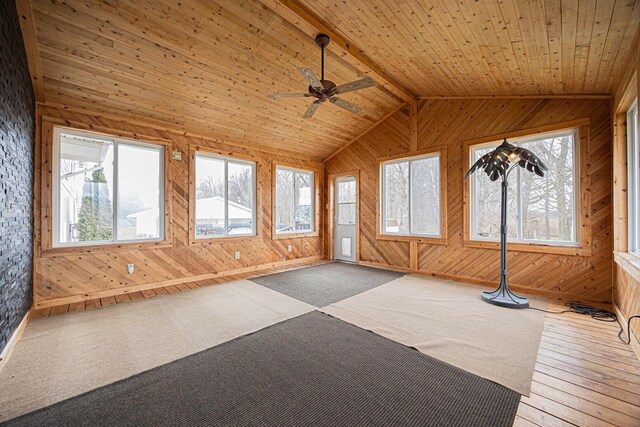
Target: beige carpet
(449, 321)
(63, 356)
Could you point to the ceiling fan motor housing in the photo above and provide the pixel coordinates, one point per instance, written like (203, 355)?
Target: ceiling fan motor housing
(328, 86)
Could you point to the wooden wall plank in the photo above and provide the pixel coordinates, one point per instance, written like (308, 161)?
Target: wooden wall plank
(449, 123)
(91, 272)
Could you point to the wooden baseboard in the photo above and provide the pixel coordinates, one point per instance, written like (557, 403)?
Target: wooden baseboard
(53, 302)
(634, 343)
(15, 337)
(472, 281)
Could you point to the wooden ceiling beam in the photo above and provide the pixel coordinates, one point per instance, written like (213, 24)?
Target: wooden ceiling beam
(27, 24)
(301, 17)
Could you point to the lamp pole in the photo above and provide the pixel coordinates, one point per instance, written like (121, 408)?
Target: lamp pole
(503, 296)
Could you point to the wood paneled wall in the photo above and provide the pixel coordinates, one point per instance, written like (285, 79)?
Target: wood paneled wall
(626, 280)
(449, 123)
(68, 277)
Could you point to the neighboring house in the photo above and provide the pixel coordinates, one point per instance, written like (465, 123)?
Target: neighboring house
(209, 217)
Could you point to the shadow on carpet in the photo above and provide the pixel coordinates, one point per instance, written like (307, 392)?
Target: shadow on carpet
(326, 284)
(309, 370)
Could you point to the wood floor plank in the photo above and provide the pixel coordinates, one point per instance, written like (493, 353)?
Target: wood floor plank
(540, 418)
(578, 403)
(123, 298)
(76, 306)
(40, 313)
(107, 301)
(60, 309)
(589, 395)
(148, 293)
(563, 412)
(136, 296)
(92, 304)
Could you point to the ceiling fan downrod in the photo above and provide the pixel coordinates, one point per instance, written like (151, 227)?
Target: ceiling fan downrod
(322, 40)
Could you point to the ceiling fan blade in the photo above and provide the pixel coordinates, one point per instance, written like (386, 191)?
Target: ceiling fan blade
(310, 76)
(287, 95)
(346, 105)
(312, 109)
(357, 85)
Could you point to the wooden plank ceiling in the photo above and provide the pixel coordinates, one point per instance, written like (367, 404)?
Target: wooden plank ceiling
(510, 47)
(206, 66)
(201, 66)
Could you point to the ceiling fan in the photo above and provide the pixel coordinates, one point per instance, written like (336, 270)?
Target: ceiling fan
(325, 90)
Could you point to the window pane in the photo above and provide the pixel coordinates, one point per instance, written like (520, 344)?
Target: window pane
(210, 197)
(425, 196)
(304, 201)
(346, 213)
(396, 190)
(284, 200)
(347, 191)
(487, 201)
(548, 206)
(240, 198)
(139, 187)
(85, 211)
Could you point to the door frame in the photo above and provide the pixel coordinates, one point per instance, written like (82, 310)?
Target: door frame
(332, 207)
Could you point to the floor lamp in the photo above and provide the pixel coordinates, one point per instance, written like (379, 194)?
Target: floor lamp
(498, 164)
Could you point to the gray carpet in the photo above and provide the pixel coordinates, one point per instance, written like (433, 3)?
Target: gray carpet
(309, 370)
(327, 283)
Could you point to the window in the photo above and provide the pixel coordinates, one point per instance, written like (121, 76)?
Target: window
(294, 202)
(106, 190)
(633, 165)
(539, 209)
(225, 192)
(411, 196)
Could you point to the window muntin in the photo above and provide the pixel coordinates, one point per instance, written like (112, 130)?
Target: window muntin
(294, 201)
(225, 201)
(106, 190)
(540, 210)
(633, 169)
(411, 196)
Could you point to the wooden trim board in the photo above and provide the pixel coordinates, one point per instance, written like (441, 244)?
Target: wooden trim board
(15, 337)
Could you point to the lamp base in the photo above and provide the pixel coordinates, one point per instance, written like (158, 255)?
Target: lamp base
(503, 297)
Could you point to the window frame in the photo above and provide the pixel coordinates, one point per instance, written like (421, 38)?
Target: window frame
(633, 179)
(315, 211)
(582, 198)
(55, 190)
(215, 154)
(576, 180)
(381, 234)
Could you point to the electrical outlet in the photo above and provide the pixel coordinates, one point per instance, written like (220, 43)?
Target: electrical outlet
(130, 268)
(289, 248)
(237, 254)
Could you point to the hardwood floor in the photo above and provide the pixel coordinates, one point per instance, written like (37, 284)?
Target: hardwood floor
(584, 374)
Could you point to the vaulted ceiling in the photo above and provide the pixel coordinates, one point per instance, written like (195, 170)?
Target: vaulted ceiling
(206, 66)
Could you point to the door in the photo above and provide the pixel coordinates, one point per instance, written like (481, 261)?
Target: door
(344, 240)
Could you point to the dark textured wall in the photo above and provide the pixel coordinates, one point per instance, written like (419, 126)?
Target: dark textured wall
(17, 131)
